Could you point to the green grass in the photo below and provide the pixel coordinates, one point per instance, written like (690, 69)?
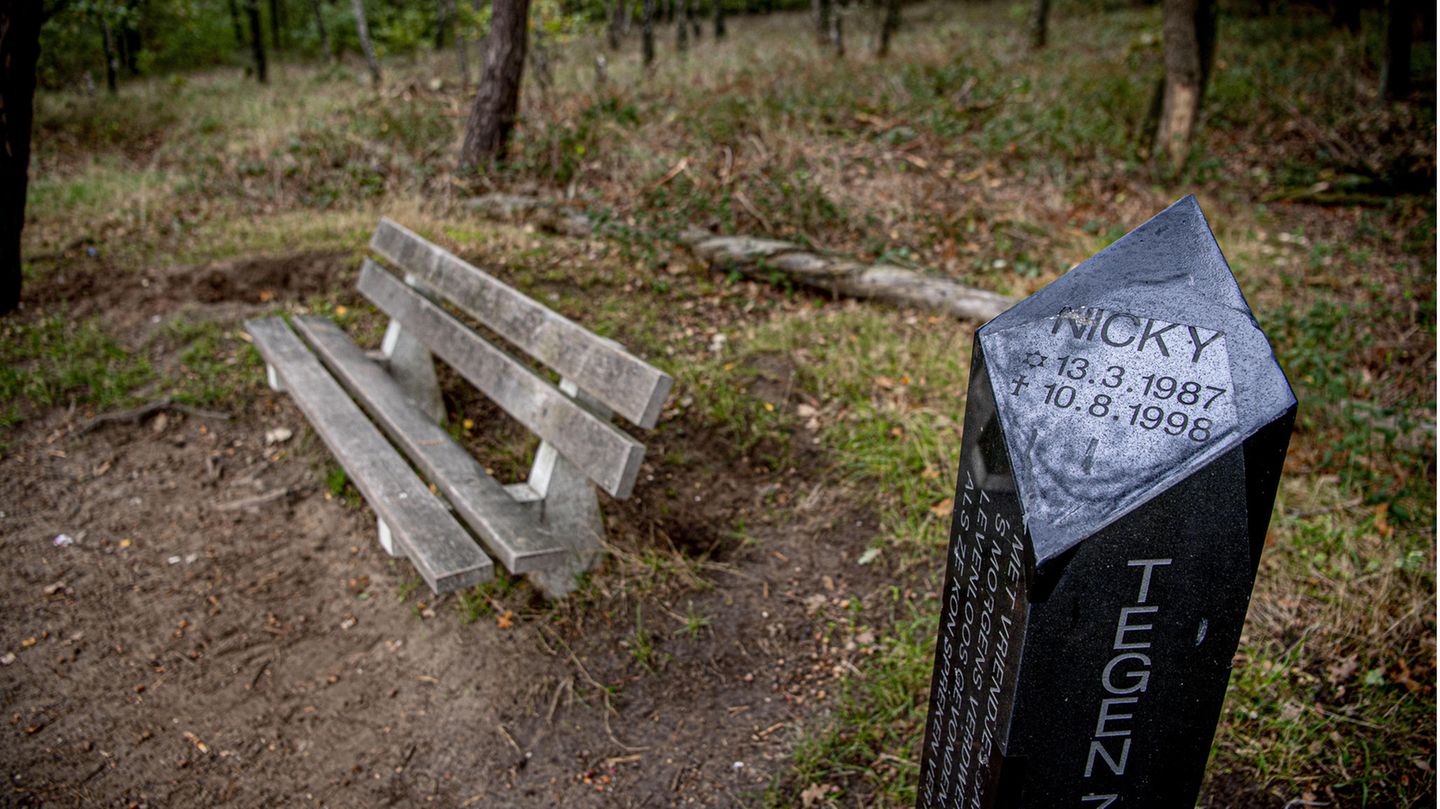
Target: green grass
(54, 361)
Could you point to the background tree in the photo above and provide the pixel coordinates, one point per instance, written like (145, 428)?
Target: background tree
(821, 9)
(888, 27)
(719, 20)
(682, 36)
(257, 42)
(1039, 23)
(647, 33)
(325, 47)
(362, 30)
(1189, 28)
(492, 116)
(20, 22)
(1395, 74)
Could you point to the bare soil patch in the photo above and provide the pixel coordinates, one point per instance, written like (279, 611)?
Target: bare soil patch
(179, 647)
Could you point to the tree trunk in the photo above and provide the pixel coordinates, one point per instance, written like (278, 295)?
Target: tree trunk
(320, 27)
(363, 30)
(1345, 14)
(647, 33)
(888, 28)
(682, 31)
(20, 22)
(107, 37)
(719, 20)
(442, 22)
(627, 8)
(275, 42)
(462, 52)
(257, 42)
(1039, 23)
(492, 116)
(1189, 29)
(821, 9)
(692, 13)
(612, 24)
(837, 32)
(235, 23)
(1395, 75)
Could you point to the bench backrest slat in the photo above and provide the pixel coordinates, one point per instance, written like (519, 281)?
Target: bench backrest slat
(602, 451)
(603, 368)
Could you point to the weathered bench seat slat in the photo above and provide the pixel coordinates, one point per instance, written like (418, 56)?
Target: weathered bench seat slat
(441, 550)
(508, 529)
(601, 367)
(605, 453)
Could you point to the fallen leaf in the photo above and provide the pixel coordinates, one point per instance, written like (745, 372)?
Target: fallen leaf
(885, 382)
(813, 794)
(870, 555)
(1342, 670)
(943, 508)
(506, 620)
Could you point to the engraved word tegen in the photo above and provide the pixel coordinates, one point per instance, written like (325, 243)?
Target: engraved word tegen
(1124, 434)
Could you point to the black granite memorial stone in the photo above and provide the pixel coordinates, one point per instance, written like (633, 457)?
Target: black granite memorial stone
(1124, 434)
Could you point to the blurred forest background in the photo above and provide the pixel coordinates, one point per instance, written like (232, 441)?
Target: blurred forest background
(194, 160)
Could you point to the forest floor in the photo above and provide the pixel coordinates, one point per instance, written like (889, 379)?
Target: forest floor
(761, 631)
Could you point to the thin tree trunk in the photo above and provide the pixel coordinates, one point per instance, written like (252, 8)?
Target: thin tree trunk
(719, 20)
(492, 117)
(682, 32)
(235, 23)
(275, 42)
(20, 22)
(888, 28)
(647, 33)
(821, 9)
(257, 42)
(837, 31)
(442, 22)
(362, 28)
(1346, 14)
(1395, 75)
(1189, 27)
(320, 26)
(612, 24)
(692, 13)
(462, 51)
(628, 9)
(1039, 23)
(107, 37)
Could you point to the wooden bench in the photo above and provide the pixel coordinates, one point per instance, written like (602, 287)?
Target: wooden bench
(548, 527)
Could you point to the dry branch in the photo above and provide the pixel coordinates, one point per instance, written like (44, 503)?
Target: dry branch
(840, 276)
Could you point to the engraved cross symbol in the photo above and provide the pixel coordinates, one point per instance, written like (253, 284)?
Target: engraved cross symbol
(1019, 382)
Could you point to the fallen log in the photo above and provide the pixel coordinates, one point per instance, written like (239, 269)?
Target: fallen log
(760, 258)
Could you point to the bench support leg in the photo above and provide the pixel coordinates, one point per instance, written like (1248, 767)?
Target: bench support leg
(387, 541)
(413, 368)
(273, 379)
(567, 503)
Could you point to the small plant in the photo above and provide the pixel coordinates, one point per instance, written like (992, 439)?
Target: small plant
(695, 622)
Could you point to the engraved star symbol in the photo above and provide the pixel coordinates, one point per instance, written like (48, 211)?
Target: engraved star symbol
(1035, 359)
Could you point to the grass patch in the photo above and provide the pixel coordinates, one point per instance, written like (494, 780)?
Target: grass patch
(54, 361)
